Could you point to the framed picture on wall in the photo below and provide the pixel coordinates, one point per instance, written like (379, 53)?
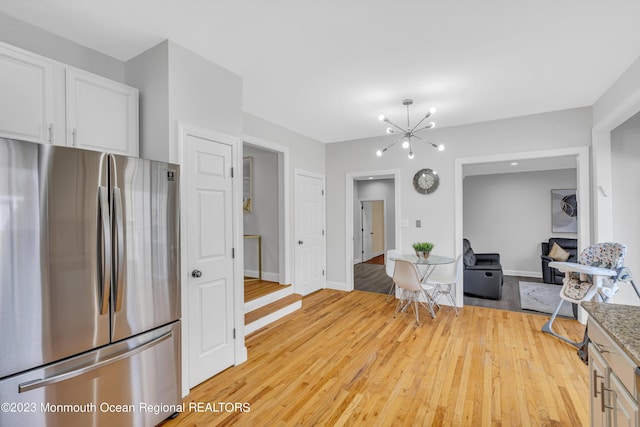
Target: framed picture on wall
(247, 184)
(564, 211)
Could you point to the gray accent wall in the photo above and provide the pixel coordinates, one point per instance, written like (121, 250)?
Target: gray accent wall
(177, 85)
(510, 214)
(34, 39)
(547, 131)
(263, 220)
(625, 160)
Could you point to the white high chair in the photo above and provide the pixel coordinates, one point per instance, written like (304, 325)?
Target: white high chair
(597, 273)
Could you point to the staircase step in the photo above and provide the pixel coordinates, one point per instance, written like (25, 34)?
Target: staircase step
(269, 313)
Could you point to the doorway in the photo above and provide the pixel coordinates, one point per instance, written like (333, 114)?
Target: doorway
(267, 215)
(465, 166)
(374, 228)
(372, 220)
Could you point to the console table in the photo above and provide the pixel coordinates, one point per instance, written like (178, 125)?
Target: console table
(259, 238)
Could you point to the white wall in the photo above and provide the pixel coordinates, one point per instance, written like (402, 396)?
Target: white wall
(263, 220)
(34, 39)
(548, 131)
(511, 214)
(178, 85)
(625, 159)
(304, 153)
(377, 189)
(149, 72)
(611, 169)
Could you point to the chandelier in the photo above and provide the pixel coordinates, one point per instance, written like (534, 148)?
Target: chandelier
(410, 132)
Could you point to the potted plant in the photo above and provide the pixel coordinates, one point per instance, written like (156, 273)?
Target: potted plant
(423, 249)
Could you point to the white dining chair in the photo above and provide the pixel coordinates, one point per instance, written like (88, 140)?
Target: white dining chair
(407, 279)
(445, 286)
(390, 264)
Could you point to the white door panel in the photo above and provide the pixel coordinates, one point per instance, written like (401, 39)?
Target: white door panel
(210, 259)
(310, 239)
(367, 231)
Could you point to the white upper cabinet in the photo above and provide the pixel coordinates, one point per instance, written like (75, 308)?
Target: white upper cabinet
(26, 96)
(45, 101)
(101, 114)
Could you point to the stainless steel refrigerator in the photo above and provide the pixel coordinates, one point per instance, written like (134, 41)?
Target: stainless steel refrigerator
(89, 288)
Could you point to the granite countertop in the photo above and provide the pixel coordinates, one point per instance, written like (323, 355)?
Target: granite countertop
(621, 322)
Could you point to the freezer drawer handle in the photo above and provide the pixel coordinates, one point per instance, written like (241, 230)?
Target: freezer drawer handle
(32, 385)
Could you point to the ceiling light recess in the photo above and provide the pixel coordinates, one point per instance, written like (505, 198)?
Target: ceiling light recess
(409, 132)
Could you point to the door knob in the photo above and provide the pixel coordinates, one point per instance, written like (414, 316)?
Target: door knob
(300, 242)
(196, 273)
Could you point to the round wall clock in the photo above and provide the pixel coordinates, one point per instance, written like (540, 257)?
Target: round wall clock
(426, 181)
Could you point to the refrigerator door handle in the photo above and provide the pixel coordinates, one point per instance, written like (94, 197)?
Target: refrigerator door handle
(119, 255)
(32, 385)
(104, 249)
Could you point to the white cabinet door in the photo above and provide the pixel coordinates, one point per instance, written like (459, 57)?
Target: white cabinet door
(625, 409)
(597, 378)
(26, 96)
(102, 114)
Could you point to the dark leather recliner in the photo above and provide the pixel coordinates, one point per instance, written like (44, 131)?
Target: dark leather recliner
(482, 273)
(551, 275)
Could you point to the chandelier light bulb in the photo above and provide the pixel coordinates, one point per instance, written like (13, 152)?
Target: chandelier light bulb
(406, 134)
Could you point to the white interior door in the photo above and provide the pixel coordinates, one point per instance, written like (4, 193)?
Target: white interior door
(377, 228)
(310, 239)
(209, 243)
(367, 231)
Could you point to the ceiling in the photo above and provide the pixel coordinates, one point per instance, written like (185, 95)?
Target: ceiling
(328, 68)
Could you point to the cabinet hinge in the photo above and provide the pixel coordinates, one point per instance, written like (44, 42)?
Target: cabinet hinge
(233, 252)
(323, 272)
(323, 232)
(234, 333)
(323, 192)
(232, 172)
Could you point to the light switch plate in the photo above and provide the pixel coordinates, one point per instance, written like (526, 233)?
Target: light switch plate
(404, 223)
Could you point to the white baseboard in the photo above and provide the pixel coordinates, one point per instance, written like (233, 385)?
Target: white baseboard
(522, 273)
(356, 261)
(266, 275)
(338, 286)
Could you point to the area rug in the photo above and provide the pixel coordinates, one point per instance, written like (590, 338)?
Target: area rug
(543, 297)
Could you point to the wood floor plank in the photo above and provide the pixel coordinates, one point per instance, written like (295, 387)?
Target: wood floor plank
(344, 360)
(254, 289)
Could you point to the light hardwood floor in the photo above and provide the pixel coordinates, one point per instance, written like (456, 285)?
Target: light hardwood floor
(344, 360)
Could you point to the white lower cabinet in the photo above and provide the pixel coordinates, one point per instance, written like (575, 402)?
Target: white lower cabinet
(624, 407)
(613, 400)
(597, 374)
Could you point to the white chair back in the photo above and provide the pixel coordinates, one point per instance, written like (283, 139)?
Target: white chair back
(406, 276)
(392, 254)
